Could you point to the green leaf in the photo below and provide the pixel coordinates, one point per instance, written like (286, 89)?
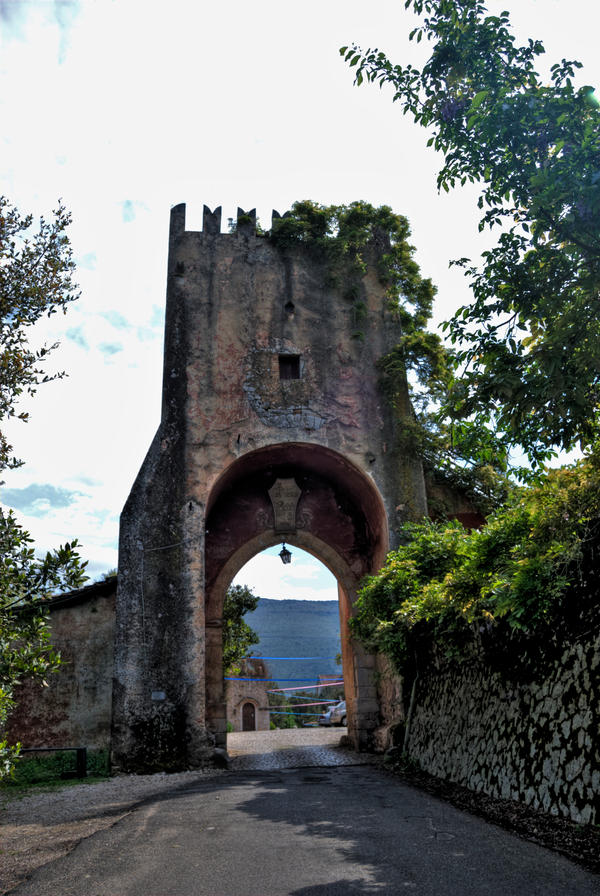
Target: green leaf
(478, 99)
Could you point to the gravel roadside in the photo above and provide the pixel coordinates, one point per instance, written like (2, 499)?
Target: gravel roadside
(43, 824)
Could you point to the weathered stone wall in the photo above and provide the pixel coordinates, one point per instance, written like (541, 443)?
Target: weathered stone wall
(530, 737)
(75, 709)
(266, 381)
(390, 696)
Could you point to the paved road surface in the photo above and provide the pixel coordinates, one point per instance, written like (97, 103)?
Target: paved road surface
(310, 831)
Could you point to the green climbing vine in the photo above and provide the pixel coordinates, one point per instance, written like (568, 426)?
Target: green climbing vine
(350, 238)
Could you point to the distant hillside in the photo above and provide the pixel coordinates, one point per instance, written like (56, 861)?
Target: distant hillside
(297, 628)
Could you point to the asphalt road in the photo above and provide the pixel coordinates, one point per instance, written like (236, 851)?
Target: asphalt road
(305, 832)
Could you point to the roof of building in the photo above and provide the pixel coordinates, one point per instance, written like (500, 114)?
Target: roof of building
(105, 588)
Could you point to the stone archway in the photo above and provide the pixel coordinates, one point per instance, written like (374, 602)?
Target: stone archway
(333, 511)
(269, 391)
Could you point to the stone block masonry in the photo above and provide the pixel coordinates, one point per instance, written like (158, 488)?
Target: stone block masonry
(74, 709)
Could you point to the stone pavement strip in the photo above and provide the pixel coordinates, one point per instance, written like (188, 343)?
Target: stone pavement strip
(323, 828)
(291, 748)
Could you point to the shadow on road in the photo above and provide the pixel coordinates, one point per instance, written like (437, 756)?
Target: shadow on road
(312, 831)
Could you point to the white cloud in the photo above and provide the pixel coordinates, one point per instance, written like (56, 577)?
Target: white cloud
(115, 117)
(38, 498)
(305, 578)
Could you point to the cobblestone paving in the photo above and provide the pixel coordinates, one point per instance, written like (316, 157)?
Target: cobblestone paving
(291, 748)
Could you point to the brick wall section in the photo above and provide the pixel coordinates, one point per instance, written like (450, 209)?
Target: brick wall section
(75, 709)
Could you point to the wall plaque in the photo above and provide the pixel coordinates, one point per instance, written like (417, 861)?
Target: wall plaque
(284, 495)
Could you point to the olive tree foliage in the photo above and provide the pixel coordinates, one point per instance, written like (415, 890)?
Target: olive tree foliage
(529, 341)
(36, 270)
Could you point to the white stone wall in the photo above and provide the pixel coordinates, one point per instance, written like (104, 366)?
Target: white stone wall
(534, 741)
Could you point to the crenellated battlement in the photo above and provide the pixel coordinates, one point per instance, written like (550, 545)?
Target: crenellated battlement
(245, 221)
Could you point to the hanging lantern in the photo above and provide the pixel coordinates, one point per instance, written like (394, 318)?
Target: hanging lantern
(286, 556)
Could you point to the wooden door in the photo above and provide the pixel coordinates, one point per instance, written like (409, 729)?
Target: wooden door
(248, 717)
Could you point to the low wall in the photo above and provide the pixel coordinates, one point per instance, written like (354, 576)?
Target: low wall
(75, 709)
(529, 736)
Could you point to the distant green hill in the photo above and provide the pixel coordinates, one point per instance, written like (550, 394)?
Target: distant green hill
(297, 628)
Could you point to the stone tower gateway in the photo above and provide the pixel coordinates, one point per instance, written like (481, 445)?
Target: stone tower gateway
(273, 428)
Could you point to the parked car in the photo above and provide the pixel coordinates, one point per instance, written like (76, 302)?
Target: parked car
(335, 715)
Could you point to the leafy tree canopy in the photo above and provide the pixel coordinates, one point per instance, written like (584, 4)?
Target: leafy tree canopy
(530, 566)
(238, 637)
(35, 280)
(36, 268)
(529, 342)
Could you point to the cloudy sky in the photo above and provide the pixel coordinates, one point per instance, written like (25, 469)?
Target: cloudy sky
(124, 108)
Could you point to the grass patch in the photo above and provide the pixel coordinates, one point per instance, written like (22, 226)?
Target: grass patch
(57, 767)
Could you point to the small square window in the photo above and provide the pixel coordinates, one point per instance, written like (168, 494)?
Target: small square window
(289, 367)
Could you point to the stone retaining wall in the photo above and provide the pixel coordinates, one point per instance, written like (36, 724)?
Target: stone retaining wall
(530, 738)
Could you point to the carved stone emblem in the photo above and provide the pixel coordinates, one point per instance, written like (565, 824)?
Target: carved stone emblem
(284, 495)
(304, 520)
(262, 519)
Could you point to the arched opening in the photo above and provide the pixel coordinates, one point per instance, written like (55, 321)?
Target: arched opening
(295, 669)
(337, 515)
(248, 716)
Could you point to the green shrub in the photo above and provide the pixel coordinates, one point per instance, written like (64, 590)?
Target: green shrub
(525, 566)
(49, 768)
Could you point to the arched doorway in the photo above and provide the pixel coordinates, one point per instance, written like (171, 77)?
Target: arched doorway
(297, 657)
(248, 716)
(327, 507)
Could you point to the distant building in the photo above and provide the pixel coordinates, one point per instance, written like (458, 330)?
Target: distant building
(248, 701)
